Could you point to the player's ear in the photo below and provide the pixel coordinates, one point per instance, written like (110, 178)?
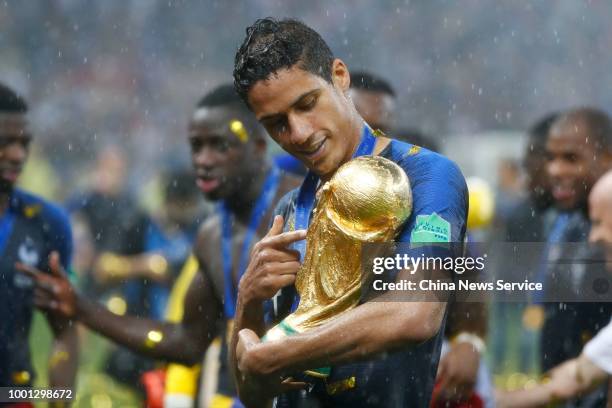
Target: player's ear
(340, 75)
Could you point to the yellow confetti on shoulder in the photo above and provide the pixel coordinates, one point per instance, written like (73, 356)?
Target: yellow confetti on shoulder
(414, 150)
(32, 210)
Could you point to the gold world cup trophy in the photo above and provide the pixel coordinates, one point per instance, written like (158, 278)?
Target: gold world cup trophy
(366, 201)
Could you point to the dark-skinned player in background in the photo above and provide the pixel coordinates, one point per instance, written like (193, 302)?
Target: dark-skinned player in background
(33, 234)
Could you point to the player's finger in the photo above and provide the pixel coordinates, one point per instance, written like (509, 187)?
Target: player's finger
(285, 268)
(47, 286)
(277, 226)
(30, 271)
(43, 301)
(289, 385)
(286, 238)
(281, 281)
(55, 265)
(279, 255)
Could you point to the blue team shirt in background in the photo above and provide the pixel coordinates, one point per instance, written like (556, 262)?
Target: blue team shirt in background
(406, 377)
(30, 229)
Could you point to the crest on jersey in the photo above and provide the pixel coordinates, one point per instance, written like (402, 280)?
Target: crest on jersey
(27, 253)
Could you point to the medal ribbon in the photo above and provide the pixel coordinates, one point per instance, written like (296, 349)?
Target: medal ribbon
(556, 235)
(259, 210)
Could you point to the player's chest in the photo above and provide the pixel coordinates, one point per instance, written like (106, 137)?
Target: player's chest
(229, 256)
(25, 245)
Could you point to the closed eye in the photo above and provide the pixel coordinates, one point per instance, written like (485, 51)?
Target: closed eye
(308, 103)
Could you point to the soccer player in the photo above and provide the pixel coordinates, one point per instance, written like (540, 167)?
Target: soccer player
(228, 149)
(35, 233)
(381, 353)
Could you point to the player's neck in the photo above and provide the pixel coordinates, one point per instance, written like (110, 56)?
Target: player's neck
(243, 201)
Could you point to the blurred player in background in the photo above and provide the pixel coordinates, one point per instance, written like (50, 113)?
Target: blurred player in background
(34, 234)
(374, 99)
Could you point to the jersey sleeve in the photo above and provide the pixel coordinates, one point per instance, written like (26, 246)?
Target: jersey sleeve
(438, 220)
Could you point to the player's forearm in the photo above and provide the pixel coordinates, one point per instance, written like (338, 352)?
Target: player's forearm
(533, 397)
(569, 380)
(248, 316)
(588, 375)
(64, 358)
(359, 334)
(160, 340)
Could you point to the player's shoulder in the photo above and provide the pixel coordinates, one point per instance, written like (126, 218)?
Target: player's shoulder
(210, 227)
(419, 161)
(34, 207)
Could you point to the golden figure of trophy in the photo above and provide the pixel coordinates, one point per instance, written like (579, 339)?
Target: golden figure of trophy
(367, 200)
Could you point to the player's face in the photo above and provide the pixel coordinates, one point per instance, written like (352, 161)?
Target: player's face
(537, 177)
(376, 108)
(219, 157)
(307, 116)
(573, 164)
(14, 144)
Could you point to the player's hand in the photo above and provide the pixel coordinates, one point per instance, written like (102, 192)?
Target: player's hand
(457, 372)
(52, 292)
(563, 383)
(255, 365)
(273, 265)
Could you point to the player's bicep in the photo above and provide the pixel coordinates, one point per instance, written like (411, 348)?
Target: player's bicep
(201, 307)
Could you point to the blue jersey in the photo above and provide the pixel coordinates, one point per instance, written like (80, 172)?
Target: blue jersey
(406, 377)
(30, 230)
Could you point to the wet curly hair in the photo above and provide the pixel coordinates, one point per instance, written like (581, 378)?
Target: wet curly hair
(271, 45)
